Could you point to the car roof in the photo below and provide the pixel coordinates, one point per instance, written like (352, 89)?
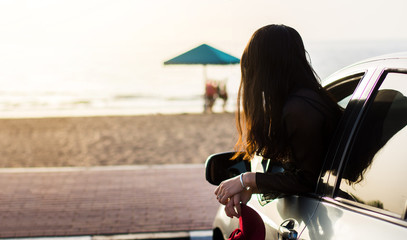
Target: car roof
(398, 55)
(394, 60)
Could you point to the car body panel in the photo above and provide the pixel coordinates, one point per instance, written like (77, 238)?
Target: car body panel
(298, 209)
(333, 221)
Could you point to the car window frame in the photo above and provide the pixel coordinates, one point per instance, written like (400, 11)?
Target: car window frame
(370, 92)
(331, 159)
(346, 127)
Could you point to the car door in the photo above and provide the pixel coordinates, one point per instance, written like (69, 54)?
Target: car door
(288, 216)
(365, 185)
(282, 215)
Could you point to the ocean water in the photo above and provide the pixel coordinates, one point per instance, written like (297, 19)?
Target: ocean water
(149, 88)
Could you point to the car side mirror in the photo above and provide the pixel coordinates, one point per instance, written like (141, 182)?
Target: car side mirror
(219, 167)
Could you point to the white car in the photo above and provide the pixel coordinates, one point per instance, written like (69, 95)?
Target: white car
(362, 189)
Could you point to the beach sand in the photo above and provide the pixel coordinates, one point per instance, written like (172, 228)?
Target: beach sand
(115, 140)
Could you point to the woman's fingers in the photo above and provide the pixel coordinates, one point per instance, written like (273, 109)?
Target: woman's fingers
(236, 202)
(227, 189)
(230, 208)
(223, 199)
(217, 189)
(221, 194)
(227, 211)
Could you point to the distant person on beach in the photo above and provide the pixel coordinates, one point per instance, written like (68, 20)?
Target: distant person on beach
(283, 115)
(223, 94)
(210, 95)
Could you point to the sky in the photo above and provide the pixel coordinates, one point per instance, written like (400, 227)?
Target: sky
(93, 39)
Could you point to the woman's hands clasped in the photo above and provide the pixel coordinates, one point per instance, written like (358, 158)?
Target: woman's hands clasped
(231, 193)
(227, 189)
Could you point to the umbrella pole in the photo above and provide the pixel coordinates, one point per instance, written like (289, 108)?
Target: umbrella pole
(204, 73)
(205, 78)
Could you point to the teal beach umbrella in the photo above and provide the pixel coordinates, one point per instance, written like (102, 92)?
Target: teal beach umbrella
(203, 55)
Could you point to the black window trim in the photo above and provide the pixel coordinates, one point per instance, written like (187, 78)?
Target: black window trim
(340, 133)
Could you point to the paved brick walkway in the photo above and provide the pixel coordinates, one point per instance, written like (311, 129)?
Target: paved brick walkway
(100, 201)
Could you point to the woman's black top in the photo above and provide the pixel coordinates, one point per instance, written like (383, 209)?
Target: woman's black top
(309, 123)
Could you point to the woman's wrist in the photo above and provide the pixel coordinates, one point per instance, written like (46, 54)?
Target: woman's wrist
(248, 180)
(244, 186)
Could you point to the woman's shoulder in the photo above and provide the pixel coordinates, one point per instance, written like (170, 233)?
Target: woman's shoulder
(305, 93)
(297, 107)
(302, 97)
(304, 102)
(317, 99)
(310, 104)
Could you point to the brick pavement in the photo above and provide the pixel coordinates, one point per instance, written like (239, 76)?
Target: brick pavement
(102, 201)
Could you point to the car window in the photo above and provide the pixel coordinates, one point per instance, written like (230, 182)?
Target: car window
(343, 89)
(374, 175)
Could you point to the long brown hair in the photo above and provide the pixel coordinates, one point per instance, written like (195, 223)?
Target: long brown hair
(273, 65)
